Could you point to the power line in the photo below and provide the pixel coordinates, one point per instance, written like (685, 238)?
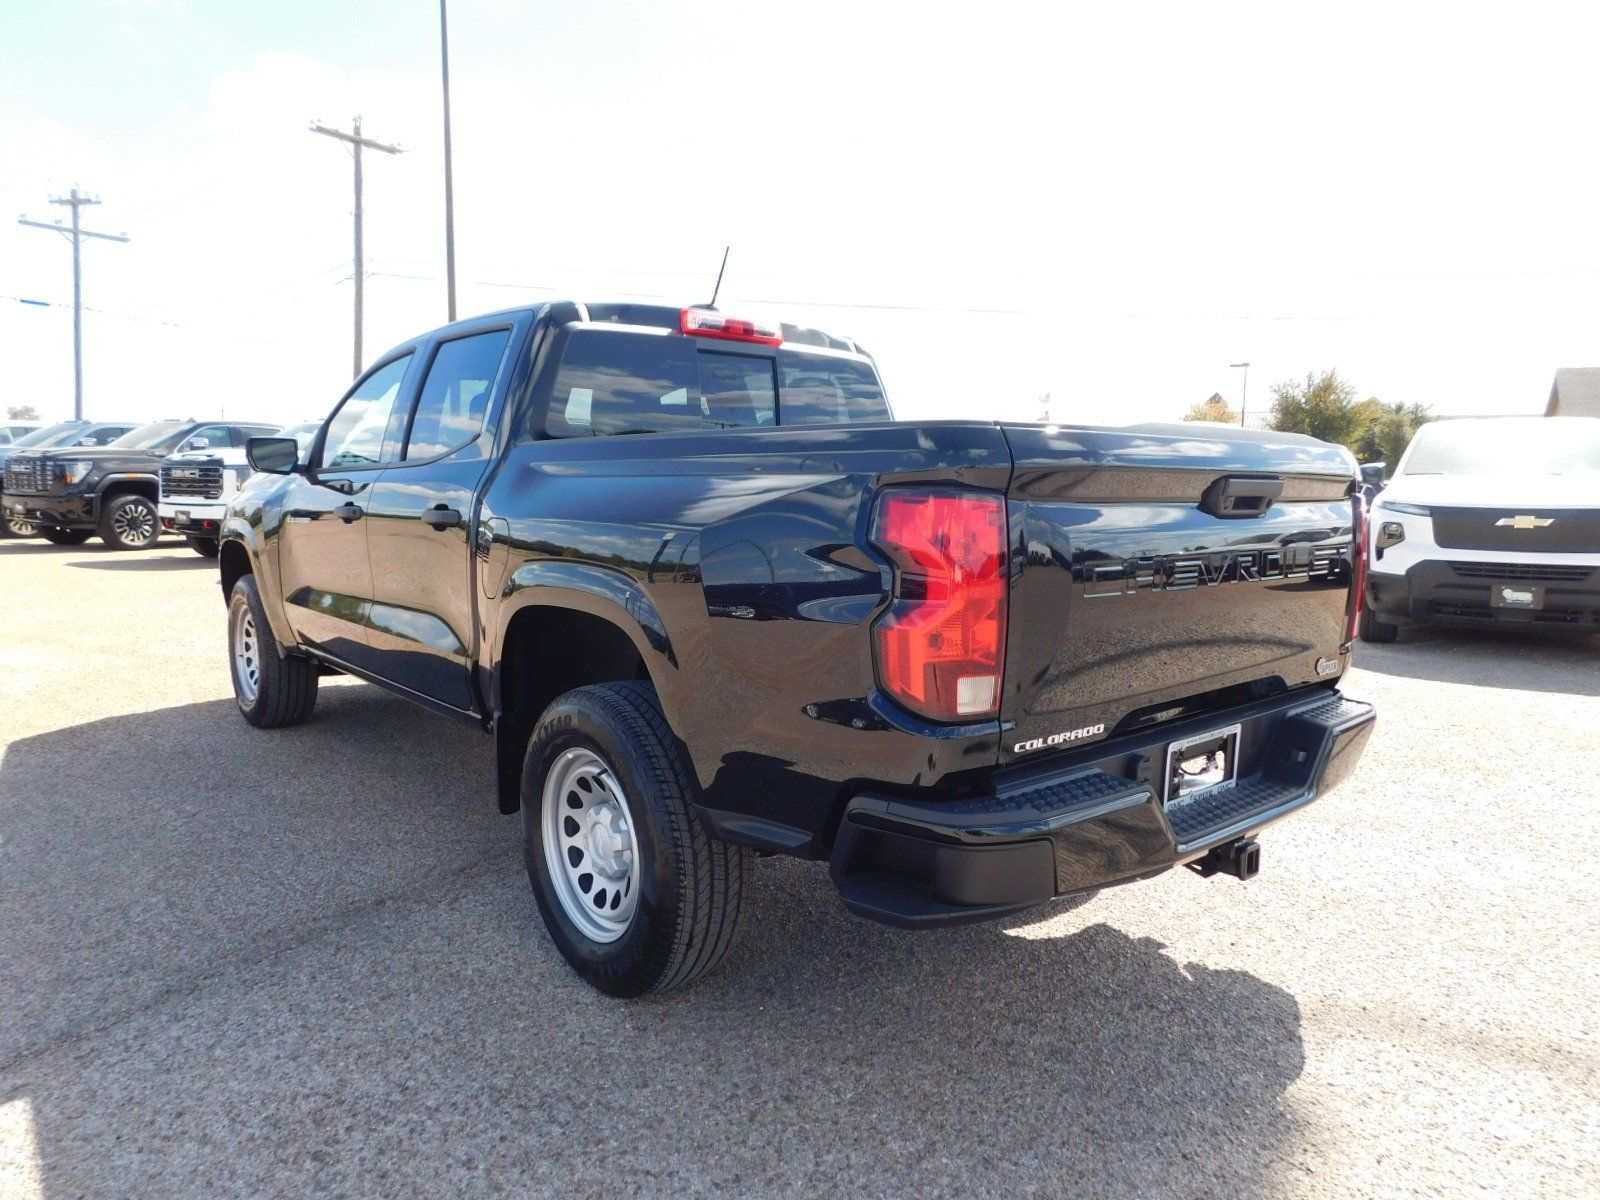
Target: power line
(357, 143)
(74, 201)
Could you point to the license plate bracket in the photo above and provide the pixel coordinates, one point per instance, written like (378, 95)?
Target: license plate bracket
(1204, 763)
(181, 515)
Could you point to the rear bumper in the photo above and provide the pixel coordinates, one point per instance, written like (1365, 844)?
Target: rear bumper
(1462, 593)
(1088, 820)
(72, 510)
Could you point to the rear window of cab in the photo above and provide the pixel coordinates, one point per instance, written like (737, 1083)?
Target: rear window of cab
(621, 382)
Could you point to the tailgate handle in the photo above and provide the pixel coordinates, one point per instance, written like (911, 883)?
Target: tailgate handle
(1235, 497)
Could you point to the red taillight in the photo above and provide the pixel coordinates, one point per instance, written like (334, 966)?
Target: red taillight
(1360, 531)
(941, 644)
(703, 322)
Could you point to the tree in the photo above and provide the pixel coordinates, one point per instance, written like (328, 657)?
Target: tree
(1387, 429)
(1214, 409)
(1324, 407)
(22, 412)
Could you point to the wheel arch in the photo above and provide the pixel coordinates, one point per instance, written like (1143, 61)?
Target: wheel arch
(562, 626)
(113, 486)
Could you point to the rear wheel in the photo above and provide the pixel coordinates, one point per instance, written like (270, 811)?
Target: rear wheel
(634, 893)
(1376, 631)
(272, 690)
(66, 537)
(204, 546)
(129, 522)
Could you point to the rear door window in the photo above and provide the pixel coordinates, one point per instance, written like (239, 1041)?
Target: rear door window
(455, 396)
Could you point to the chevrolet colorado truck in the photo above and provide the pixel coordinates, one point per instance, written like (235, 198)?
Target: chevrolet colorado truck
(70, 495)
(710, 600)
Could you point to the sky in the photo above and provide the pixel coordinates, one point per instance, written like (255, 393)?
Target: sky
(1105, 204)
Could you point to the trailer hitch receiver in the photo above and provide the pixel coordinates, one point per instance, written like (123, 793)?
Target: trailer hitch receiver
(1240, 858)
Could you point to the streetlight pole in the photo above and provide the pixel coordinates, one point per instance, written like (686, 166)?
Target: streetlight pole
(357, 142)
(1244, 391)
(449, 193)
(74, 201)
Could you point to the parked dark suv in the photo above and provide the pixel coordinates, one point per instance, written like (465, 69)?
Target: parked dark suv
(61, 435)
(112, 490)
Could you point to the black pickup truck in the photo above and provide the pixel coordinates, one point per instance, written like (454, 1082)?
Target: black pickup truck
(711, 600)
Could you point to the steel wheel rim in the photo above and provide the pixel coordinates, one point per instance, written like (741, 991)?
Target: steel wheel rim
(133, 523)
(246, 654)
(590, 851)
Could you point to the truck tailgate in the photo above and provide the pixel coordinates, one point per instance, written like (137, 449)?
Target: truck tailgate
(1135, 598)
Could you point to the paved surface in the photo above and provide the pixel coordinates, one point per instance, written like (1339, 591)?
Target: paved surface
(308, 963)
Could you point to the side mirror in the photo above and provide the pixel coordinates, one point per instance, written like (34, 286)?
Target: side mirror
(197, 443)
(274, 455)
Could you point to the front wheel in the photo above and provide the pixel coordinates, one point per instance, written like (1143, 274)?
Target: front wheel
(1373, 630)
(203, 546)
(129, 522)
(634, 893)
(272, 690)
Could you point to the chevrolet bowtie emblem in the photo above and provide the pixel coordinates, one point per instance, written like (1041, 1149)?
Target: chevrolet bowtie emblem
(1526, 522)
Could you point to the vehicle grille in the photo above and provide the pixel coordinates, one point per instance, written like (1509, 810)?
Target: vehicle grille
(31, 475)
(1570, 530)
(193, 479)
(1523, 572)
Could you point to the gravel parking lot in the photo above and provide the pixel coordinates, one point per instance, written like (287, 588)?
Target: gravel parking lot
(308, 963)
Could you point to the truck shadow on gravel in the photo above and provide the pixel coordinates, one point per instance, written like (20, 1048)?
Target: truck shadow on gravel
(308, 962)
(1490, 658)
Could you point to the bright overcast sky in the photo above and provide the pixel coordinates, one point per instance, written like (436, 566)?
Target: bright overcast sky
(1107, 203)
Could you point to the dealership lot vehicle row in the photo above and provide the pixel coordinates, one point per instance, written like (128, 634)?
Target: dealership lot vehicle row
(309, 965)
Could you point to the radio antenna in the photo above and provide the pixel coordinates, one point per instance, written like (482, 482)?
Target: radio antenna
(716, 291)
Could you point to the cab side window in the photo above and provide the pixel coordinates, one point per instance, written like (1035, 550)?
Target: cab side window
(355, 435)
(455, 395)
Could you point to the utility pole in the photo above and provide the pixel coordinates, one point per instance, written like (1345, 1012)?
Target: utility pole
(449, 193)
(74, 201)
(1244, 391)
(357, 143)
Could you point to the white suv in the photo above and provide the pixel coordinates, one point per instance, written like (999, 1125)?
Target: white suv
(1489, 522)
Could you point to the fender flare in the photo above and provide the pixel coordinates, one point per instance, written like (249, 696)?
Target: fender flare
(119, 476)
(602, 592)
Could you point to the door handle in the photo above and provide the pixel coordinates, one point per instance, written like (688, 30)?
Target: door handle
(348, 512)
(441, 517)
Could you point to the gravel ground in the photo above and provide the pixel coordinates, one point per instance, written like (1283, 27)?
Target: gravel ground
(308, 963)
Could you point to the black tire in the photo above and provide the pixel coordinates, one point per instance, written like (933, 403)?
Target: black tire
(66, 537)
(691, 887)
(285, 688)
(203, 546)
(1378, 632)
(130, 522)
